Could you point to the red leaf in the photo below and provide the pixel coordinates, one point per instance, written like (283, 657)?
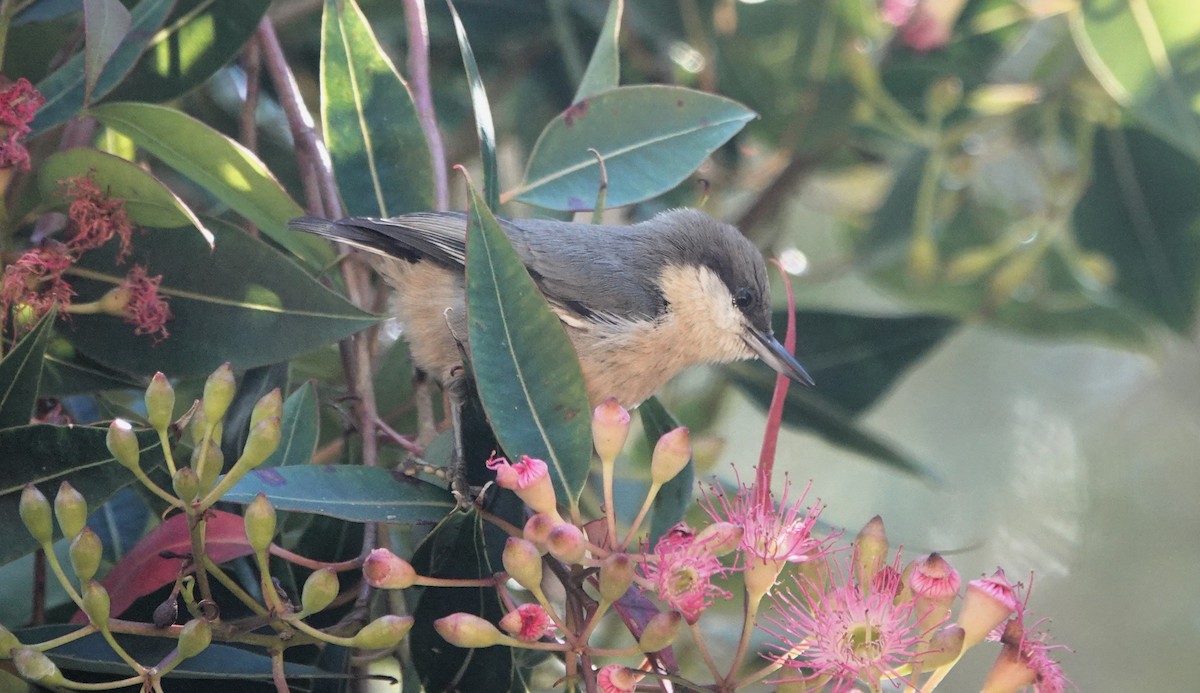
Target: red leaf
(143, 569)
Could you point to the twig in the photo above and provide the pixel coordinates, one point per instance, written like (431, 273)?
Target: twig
(418, 76)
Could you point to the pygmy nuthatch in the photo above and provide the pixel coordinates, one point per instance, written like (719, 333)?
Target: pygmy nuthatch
(640, 303)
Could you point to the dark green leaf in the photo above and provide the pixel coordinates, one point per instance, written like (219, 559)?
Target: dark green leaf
(147, 201)
(68, 372)
(200, 37)
(1143, 213)
(349, 492)
(46, 455)
(300, 426)
(1143, 54)
(651, 138)
(526, 370)
(105, 25)
(232, 173)
(64, 89)
(21, 374)
(675, 497)
(604, 69)
(370, 121)
(252, 385)
(485, 130)
(241, 302)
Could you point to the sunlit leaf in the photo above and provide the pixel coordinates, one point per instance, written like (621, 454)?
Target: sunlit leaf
(485, 130)
(105, 25)
(650, 137)
(370, 121)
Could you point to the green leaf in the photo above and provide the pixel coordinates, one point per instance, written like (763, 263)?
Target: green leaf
(675, 497)
(485, 130)
(147, 201)
(349, 492)
(241, 302)
(804, 408)
(370, 122)
(299, 428)
(105, 25)
(92, 654)
(1142, 212)
(232, 173)
(21, 374)
(67, 372)
(651, 138)
(65, 88)
(527, 373)
(45, 455)
(1143, 54)
(200, 37)
(604, 69)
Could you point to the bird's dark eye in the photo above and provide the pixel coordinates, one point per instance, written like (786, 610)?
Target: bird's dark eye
(742, 298)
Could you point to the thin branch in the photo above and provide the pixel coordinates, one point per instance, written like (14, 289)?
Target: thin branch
(418, 76)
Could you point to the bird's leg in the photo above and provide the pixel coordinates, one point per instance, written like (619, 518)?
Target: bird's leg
(456, 391)
(423, 398)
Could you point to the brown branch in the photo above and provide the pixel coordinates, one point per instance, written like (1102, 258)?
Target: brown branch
(418, 75)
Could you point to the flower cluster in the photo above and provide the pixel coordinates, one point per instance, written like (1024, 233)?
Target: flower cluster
(18, 103)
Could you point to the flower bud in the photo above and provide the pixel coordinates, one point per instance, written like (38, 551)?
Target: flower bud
(934, 583)
(35, 513)
(523, 562)
(1002, 99)
(166, 613)
(262, 441)
(186, 484)
(616, 575)
(96, 604)
(36, 667)
(527, 622)
(320, 589)
(870, 550)
(383, 633)
(123, 444)
(985, 605)
(537, 529)
(194, 637)
(943, 96)
(207, 461)
(944, 647)
(610, 428)
(70, 507)
(386, 570)
(270, 404)
(1013, 670)
(671, 454)
(260, 523)
(720, 538)
(660, 632)
(467, 630)
(8, 642)
(614, 678)
(85, 551)
(529, 479)
(566, 543)
(160, 402)
(219, 390)
(923, 260)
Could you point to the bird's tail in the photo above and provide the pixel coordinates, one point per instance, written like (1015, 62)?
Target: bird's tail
(350, 234)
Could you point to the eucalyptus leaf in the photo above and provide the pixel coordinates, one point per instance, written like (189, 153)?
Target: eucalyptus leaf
(299, 428)
(370, 122)
(526, 370)
(485, 130)
(241, 301)
(604, 69)
(21, 374)
(675, 497)
(650, 137)
(105, 25)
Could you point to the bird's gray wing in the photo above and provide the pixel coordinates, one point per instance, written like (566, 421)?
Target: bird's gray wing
(435, 236)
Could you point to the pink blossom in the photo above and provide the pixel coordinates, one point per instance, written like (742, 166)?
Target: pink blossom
(615, 678)
(146, 309)
(528, 622)
(1024, 661)
(682, 569)
(19, 102)
(36, 280)
(96, 216)
(529, 479)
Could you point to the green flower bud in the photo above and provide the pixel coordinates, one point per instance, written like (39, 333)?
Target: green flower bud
(186, 484)
(320, 589)
(671, 454)
(194, 637)
(468, 630)
(96, 604)
(610, 428)
(207, 461)
(660, 632)
(944, 647)
(71, 509)
(260, 523)
(870, 550)
(566, 543)
(160, 402)
(37, 667)
(8, 643)
(123, 444)
(383, 633)
(943, 96)
(923, 259)
(86, 550)
(523, 562)
(616, 575)
(219, 390)
(270, 404)
(262, 441)
(35, 513)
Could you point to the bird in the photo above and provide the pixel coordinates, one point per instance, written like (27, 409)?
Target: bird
(640, 303)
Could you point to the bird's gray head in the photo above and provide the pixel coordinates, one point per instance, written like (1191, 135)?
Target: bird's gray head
(713, 275)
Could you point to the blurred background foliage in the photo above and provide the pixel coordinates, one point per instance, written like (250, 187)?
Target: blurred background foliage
(990, 209)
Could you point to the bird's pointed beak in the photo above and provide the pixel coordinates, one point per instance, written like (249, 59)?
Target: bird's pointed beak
(767, 348)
